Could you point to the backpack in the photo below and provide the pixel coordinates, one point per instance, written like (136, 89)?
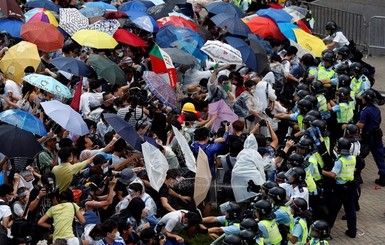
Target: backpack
(227, 175)
(42, 169)
(280, 79)
(240, 107)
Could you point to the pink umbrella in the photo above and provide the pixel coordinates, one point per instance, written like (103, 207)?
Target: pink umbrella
(224, 111)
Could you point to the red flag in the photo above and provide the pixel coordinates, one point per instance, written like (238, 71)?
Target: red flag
(161, 63)
(75, 104)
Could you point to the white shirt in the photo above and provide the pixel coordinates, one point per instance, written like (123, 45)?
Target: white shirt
(173, 221)
(264, 95)
(5, 210)
(295, 192)
(13, 88)
(339, 38)
(88, 100)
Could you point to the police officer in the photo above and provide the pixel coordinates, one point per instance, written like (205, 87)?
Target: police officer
(325, 73)
(322, 104)
(267, 224)
(319, 231)
(250, 232)
(298, 231)
(344, 192)
(283, 216)
(369, 123)
(344, 109)
(359, 82)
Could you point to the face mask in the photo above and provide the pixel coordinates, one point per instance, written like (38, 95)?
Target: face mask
(105, 170)
(120, 54)
(10, 198)
(226, 87)
(51, 55)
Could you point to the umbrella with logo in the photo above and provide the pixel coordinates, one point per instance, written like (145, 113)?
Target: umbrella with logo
(12, 26)
(222, 52)
(310, 42)
(46, 36)
(71, 20)
(10, 8)
(23, 120)
(17, 58)
(107, 69)
(39, 14)
(129, 38)
(48, 84)
(46, 4)
(72, 66)
(94, 39)
(65, 116)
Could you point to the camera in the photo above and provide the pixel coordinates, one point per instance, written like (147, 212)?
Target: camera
(159, 236)
(262, 123)
(110, 175)
(225, 123)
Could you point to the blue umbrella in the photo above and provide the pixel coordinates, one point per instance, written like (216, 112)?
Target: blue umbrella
(90, 12)
(248, 56)
(232, 24)
(223, 7)
(12, 26)
(287, 30)
(143, 21)
(261, 42)
(133, 6)
(46, 4)
(72, 65)
(23, 120)
(277, 15)
(48, 84)
(148, 4)
(183, 38)
(103, 5)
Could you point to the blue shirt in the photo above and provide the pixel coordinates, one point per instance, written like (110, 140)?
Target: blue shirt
(337, 169)
(117, 241)
(281, 217)
(298, 231)
(230, 229)
(371, 117)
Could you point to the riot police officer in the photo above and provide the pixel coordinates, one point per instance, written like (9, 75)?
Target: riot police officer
(319, 231)
(267, 224)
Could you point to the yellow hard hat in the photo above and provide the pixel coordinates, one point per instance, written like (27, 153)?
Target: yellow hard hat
(189, 107)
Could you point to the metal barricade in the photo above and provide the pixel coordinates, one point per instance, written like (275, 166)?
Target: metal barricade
(376, 35)
(354, 26)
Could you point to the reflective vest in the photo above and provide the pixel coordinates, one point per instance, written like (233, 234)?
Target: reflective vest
(313, 159)
(303, 224)
(325, 73)
(322, 103)
(313, 241)
(287, 210)
(348, 166)
(355, 84)
(300, 121)
(346, 112)
(273, 231)
(311, 186)
(260, 241)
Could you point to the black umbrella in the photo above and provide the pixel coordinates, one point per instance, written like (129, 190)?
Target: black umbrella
(15, 142)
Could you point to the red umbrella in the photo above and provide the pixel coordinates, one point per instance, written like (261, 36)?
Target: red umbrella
(177, 21)
(265, 27)
(129, 38)
(10, 8)
(46, 36)
(303, 26)
(115, 15)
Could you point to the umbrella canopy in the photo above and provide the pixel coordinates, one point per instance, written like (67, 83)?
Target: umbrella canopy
(222, 52)
(296, 12)
(107, 69)
(156, 165)
(180, 57)
(10, 8)
(160, 88)
(143, 21)
(186, 150)
(263, 43)
(129, 38)
(48, 84)
(278, 15)
(12, 26)
(202, 178)
(94, 39)
(71, 20)
(310, 42)
(46, 36)
(106, 26)
(265, 27)
(287, 30)
(177, 21)
(224, 111)
(90, 12)
(248, 56)
(301, 24)
(73, 66)
(161, 10)
(125, 130)
(103, 5)
(223, 7)
(115, 15)
(231, 24)
(133, 6)
(15, 142)
(39, 14)
(23, 120)
(46, 4)
(301, 51)
(260, 53)
(17, 58)
(65, 116)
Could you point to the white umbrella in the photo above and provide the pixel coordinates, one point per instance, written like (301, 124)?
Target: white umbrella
(107, 26)
(187, 153)
(156, 165)
(71, 20)
(65, 116)
(222, 52)
(296, 12)
(202, 178)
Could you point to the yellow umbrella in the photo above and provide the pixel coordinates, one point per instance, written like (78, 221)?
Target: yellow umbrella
(309, 42)
(17, 58)
(94, 39)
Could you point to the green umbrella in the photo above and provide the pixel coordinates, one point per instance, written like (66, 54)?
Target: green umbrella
(107, 69)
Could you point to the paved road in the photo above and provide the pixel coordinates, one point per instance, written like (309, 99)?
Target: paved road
(371, 217)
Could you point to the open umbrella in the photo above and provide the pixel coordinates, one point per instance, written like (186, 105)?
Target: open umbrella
(223, 7)
(106, 26)
(107, 69)
(71, 20)
(12, 26)
(133, 6)
(224, 111)
(46, 36)
(286, 29)
(296, 12)
(23, 120)
(17, 58)
(94, 39)
(143, 21)
(231, 24)
(72, 65)
(265, 27)
(65, 116)
(39, 14)
(162, 64)
(15, 142)
(260, 53)
(222, 52)
(90, 12)
(301, 50)
(202, 178)
(10, 8)
(160, 88)
(129, 38)
(180, 57)
(248, 56)
(186, 150)
(105, 6)
(278, 15)
(177, 21)
(156, 165)
(263, 43)
(46, 4)
(162, 10)
(48, 84)
(310, 42)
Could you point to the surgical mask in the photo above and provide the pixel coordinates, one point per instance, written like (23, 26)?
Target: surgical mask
(226, 87)
(10, 198)
(105, 170)
(120, 54)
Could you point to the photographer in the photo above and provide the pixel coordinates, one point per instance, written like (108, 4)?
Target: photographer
(137, 114)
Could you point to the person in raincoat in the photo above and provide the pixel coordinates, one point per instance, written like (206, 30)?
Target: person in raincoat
(249, 166)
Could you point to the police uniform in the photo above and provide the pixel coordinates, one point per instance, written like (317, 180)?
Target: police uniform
(229, 228)
(317, 241)
(270, 232)
(298, 228)
(359, 85)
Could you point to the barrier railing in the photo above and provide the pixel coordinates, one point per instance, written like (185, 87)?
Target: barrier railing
(376, 34)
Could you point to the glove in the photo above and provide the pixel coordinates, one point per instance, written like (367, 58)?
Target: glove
(252, 187)
(268, 112)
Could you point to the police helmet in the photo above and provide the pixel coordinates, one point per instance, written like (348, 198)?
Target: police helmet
(315, 114)
(356, 67)
(281, 177)
(343, 145)
(321, 227)
(305, 143)
(295, 175)
(352, 129)
(295, 160)
(342, 69)
(263, 208)
(328, 56)
(369, 96)
(248, 237)
(268, 185)
(331, 26)
(302, 86)
(304, 105)
(277, 194)
(299, 205)
(312, 99)
(302, 93)
(307, 119)
(344, 50)
(319, 123)
(232, 240)
(343, 91)
(344, 80)
(317, 86)
(249, 224)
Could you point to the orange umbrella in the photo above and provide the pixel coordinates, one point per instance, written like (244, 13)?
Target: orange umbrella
(129, 38)
(177, 21)
(265, 27)
(46, 36)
